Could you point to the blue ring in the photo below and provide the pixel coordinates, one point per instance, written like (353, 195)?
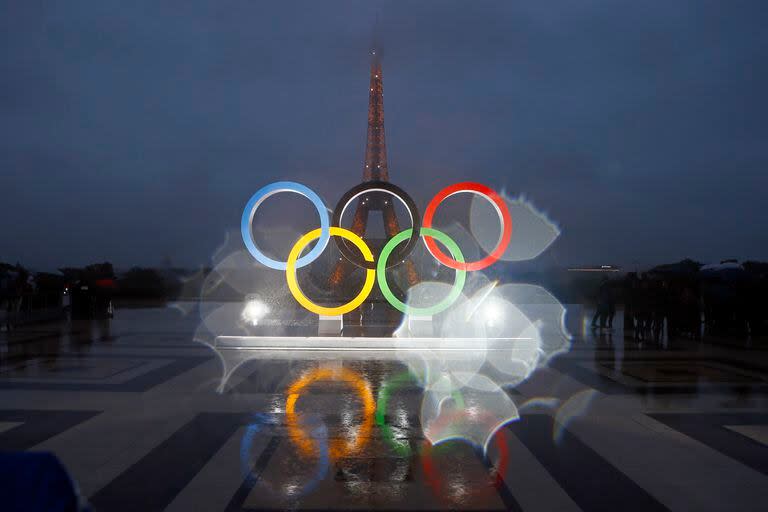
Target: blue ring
(259, 197)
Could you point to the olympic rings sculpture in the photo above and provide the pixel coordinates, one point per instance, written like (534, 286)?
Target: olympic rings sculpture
(393, 252)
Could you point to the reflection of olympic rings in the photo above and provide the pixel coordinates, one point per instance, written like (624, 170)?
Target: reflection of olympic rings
(259, 197)
(391, 252)
(377, 186)
(500, 469)
(501, 209)
(402, 447)
(247, 468)
(458, 281)
(293, 284)
(337, 447)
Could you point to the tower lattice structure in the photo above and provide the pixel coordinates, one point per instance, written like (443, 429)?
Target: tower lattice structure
(375, 169)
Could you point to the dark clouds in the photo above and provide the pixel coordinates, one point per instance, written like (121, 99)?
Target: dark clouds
(134, 130)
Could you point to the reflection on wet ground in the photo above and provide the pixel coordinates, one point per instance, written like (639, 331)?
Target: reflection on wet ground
(130, 406)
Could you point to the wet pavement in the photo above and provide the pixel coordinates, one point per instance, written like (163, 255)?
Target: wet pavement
(131, 407)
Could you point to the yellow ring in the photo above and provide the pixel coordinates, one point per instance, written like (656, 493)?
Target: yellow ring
(293, 285)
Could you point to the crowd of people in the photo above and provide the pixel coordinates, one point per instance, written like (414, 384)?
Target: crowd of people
(17, 287)
(30, 297)
(726, 299)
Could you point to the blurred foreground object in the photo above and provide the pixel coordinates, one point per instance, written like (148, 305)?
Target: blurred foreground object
(37, 482)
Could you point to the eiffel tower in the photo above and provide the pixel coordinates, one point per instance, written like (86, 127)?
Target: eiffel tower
(375, 169)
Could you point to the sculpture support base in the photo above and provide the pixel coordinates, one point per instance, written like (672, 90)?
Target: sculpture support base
(330, 325)
(290, 344)
(420, 326)
(236, 350)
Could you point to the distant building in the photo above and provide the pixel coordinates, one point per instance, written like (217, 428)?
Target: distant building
(601, 268)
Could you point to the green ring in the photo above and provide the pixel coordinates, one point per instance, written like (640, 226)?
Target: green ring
(458, 282)
(402, 447)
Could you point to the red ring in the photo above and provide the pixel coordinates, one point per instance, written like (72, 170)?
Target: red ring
(504, 216)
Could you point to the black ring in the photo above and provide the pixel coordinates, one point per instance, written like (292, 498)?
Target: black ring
(402, 251)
